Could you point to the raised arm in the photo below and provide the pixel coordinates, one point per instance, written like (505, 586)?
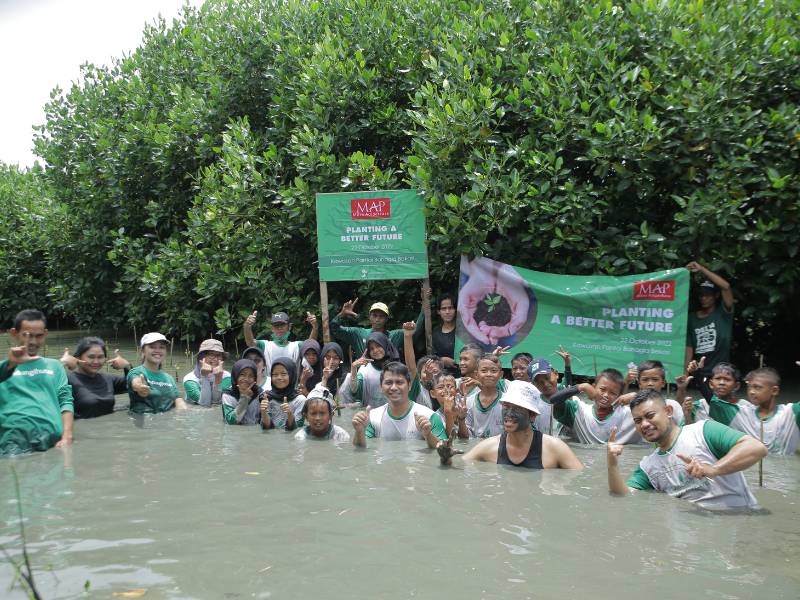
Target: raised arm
(408, 348)
(249, 338)
(720, 282)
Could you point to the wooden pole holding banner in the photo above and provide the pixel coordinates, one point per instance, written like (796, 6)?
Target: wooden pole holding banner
(426, 311)
(323, 301)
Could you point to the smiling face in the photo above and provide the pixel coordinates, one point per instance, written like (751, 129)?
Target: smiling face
(280, 377)
(516, 418)
(609, 392)
(652, 379)
(31, 334)
(519, 369)
(375, 351)
(444, 388)
(154, 353)
(93, 360)
(489, 373)
(395, 388)
(318, 416)
(213, 358)
(653, 421)
(246, 379)
(447, 312)
(467, 363)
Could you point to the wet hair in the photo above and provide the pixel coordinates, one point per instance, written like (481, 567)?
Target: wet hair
(646, 396)
(29, 314)
(445, 296)
(473, 349)
(317, 399)
(767, 373)
(649, 365)
(522, 356)
(397, 368)
(421, 362)
(726, 367)
(440, 376)
(85, 343)
(491, 358)
(612, 375)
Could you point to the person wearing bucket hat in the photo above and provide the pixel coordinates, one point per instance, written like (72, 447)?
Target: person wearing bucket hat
(318, 418)
(356, 337)
(204, 384)
(519, 445)
(150, 389)
(709, 330)
(279, 346)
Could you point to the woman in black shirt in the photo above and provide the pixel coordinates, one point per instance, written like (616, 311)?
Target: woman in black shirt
(93, 391)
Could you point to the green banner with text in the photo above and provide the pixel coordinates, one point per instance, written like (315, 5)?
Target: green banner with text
(371, 235)
(602, 321)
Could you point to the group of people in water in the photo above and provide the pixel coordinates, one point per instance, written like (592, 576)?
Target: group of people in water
(701, 445)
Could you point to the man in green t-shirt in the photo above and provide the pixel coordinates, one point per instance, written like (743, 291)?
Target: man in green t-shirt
(709, 330)
(356, 337)
(36, 411)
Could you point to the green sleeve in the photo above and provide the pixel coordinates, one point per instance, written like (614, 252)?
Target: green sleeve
(639, 480)
(359, 393)
(695, 407)
(64, 391)
(347, 336)
(261, 345)
(564, 412)
(437, 427)
(796, 411)
(192, 389)
(413, 392)
(225, 384)
(721, 411)
(720, 438)
(396, 337)
(419, 329)
(370, 431)
(229, 414)
(5, 372)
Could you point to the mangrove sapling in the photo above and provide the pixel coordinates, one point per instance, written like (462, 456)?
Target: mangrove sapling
(23, 571)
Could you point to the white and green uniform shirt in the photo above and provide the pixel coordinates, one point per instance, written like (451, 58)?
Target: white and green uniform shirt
(272, 351)
(240, 411)
(203, 390)
(335, 433)
(781, 433)
(588, 428)
(420, 394)
(383, 425)
(278, 417)
(368, 387)
(163, 391)
(32, 399)
(484, 422)
(701, 409)
(707, 442)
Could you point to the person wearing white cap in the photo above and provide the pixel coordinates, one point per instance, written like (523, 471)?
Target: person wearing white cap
(519, 445)
(150, 389)
(204, 384)
(356, 337)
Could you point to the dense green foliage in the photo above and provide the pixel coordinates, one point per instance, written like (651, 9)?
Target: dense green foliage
(556, 135)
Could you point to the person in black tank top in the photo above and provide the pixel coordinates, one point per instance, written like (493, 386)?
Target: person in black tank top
(532, 461)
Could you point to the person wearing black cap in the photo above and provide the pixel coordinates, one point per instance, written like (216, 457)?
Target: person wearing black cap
(709, 330)
(279, 345)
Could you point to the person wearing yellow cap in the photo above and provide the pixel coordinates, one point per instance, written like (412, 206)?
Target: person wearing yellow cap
(519, 445)
(356, 337)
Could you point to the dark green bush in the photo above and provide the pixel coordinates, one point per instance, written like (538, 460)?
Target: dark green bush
(561, 136)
